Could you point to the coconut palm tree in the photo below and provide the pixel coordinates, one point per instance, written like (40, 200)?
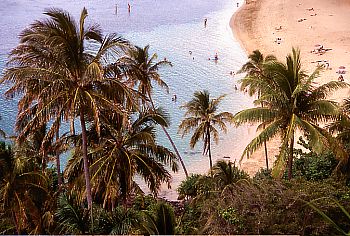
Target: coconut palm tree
(291, 102)
(202, 117)
(121, 153)
(24, 191)
(142, 70)
(59, 65)
(255, 68)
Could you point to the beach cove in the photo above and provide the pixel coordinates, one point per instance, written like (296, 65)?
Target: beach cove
(274, 27)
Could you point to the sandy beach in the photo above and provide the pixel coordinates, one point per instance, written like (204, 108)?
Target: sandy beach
(303, 24)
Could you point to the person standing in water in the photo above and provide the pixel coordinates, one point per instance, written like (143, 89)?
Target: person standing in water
(129, 8)
(205, 22)
(216, 57)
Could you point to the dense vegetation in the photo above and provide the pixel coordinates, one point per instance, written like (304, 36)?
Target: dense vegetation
(68, 72)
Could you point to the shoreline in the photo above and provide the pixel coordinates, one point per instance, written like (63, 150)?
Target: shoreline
(258, 23)
(257, 27)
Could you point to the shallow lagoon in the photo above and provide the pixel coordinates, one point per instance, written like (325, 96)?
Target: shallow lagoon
(172, 28)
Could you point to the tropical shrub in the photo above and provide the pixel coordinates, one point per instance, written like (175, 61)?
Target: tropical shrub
(268, 206)
(311, 165)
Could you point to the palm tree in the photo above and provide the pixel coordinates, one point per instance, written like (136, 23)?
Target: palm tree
(291, 103)
(255, 68)
(202, 117)
(59, 65)
(142, 70)
(227, 173)
(121, 152)
(341, 128)
(160, 221)
(119, 221)
(72, 216)
(24, 191)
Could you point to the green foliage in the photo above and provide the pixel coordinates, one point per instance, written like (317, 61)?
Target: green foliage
(224, 174)
(328, 219)
(230, 215)
(188, 187)
(311, 165)
(142, 202)
(266, 206)
(189, 221)
(72, 215)
(263, 174)
(159, 219)
(119, 221)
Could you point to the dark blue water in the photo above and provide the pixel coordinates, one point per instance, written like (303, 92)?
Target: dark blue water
(172, 28)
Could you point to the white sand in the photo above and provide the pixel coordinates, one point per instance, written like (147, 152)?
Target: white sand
(256, 25)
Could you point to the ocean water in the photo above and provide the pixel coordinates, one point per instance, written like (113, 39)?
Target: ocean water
(172, 28)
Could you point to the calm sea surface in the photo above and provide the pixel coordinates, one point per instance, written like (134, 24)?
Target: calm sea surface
(172, 28)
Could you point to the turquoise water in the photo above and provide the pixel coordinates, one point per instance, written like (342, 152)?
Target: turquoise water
(172, 28)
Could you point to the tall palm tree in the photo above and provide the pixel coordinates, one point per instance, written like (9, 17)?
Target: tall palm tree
(202, 117)
(121, 153)
(142, 70)
(291, 103)
(59, 65)
(255, 68)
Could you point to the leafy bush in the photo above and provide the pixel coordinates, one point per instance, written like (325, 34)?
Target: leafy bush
(188, 187)
(263, 174)
(158, 219)
(224, 173)
(311, 165)
(269, 206)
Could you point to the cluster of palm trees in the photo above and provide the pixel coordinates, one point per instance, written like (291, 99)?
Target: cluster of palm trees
(288, 101)
(68, 72)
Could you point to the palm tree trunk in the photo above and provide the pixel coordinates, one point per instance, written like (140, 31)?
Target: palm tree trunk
(171, 140)
(85, 159)
(290, 158)
(14, 218)
(265, 146)
(266, 158)
(209, 152)
(72, 128)
(58, 162)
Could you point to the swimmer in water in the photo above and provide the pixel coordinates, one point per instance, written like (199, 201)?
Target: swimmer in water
(216, 57)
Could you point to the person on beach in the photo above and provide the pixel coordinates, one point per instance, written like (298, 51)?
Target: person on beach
(205, 22)
(129, 8)
(237, 4)
(341, 78)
